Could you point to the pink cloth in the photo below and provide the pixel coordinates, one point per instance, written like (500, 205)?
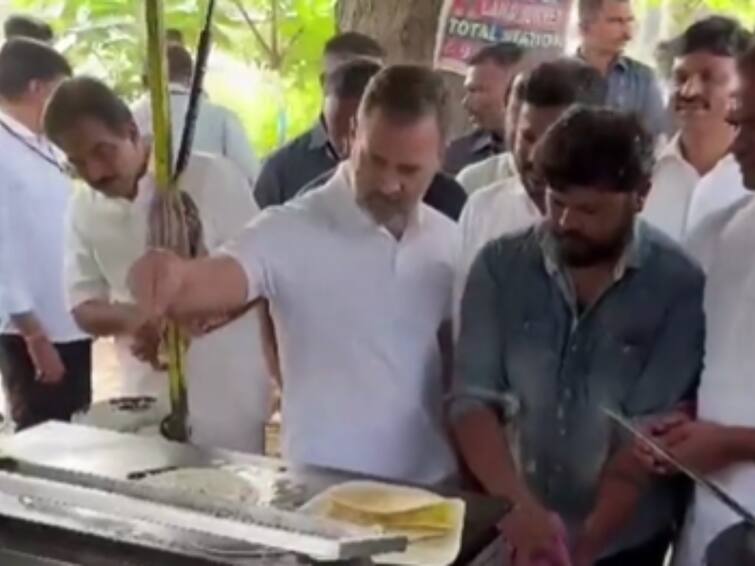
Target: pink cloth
(558, 553)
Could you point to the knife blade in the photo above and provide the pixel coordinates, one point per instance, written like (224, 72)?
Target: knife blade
(717, 491)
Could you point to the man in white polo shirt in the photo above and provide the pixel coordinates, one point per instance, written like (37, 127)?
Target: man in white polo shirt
(721, 444)
(695, 174)
(108, 228)
(518, 201)
(359, 275)
(45, 359)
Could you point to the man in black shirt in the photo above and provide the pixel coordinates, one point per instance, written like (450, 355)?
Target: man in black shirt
(487, 85)
(316, 151)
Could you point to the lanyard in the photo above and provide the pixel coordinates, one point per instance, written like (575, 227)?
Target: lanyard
(51, 160)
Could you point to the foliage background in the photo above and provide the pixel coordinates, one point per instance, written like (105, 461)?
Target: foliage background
(267, 71)
(266, 53)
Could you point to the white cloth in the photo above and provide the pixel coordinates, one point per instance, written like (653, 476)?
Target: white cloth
(226, 374)
(502, 208)
(34, 195)
(357, 315)
(680, 198)
(728, 382)
(487, 172)
(218, 131)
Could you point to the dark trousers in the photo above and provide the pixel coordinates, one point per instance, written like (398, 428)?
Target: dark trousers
(652, 553)
(32, 402)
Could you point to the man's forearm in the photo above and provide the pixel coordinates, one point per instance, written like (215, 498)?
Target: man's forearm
(103, 318)
(211, 286)
(622, 485)
(742, 444)
(477, 433)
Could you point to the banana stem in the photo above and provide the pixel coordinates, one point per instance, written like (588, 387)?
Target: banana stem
(176, 426)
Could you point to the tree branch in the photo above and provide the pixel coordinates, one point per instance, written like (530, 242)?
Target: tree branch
(291, 43)
(272, 57)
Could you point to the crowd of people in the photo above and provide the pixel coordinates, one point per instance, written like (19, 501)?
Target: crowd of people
(432, 310)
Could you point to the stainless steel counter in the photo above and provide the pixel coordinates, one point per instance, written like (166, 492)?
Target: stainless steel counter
(115, 455)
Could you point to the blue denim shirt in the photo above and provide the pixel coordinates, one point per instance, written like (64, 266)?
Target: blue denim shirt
(638, 351)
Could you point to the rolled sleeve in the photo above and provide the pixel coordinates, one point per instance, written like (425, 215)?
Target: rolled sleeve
(479, 371)
(83, 278)
(672, 373)
(15, 296)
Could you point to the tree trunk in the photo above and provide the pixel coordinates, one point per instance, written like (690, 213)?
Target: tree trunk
(407, 30)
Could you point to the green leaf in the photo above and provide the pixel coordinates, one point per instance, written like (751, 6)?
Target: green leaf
(105, 38)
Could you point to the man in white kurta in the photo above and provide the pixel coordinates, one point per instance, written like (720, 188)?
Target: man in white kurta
(727, 388)
(695, 174)
(721, 443)
(227, 385)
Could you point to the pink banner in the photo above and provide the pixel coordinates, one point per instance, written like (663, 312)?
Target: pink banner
(467, 25)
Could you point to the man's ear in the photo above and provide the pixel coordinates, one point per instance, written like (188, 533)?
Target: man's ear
(36, 89)
(132, 131)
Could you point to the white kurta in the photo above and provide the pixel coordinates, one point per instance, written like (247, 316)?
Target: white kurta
(501, 208)
(727, 390)
(483, 174)
(227, 380)
(680, 198)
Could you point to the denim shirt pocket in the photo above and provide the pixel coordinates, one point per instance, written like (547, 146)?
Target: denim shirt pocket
(617, 364)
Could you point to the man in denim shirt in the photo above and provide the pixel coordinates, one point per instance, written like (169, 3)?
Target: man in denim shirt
(590, 309)
(607, 26)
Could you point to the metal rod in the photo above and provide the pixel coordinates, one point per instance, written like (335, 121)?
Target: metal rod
(197, 81)
(717, 491)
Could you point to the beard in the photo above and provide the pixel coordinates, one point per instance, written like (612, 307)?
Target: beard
(392, 214)
(578, 251)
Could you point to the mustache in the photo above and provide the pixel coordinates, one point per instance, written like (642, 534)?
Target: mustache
(570, 237)
(682, 101)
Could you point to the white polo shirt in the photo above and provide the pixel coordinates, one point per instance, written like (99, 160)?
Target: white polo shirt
(34, 195)
(502, 208)
(227, 385)
(357, 315)
(727, 388)
(485, 173)
(680, 198)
